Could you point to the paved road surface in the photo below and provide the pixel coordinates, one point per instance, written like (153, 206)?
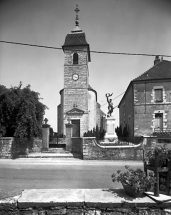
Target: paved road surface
(22, 174)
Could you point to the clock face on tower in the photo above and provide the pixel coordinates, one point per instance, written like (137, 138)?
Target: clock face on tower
(75, 77)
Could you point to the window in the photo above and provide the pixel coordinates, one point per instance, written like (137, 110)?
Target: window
(75, 58)
(158, 121)
(158, 95)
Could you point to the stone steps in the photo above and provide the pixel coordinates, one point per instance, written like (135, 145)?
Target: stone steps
(52, 155)
(59, 153)
(56, 150)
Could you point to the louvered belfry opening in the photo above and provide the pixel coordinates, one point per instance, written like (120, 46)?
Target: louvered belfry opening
(75, 58)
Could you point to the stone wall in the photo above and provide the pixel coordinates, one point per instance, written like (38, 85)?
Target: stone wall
(92, 109)
(138, 107)
(11, 147)
(37, 145)
(126, 110)
(76, 92)
(83, 210)
(81, 202)
(6, 144)
(145, 107)
(92, 152)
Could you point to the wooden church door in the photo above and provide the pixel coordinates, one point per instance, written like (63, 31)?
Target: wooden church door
(76, 128)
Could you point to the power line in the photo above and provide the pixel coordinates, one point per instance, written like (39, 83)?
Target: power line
(113, 98)
(97, 52)
(26, 44)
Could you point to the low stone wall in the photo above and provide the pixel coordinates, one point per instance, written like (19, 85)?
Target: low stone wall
(77, 145)
(81, 202)
(11, 147)
(27, 146)
(6, 144)
(37, 145)
(92, 152)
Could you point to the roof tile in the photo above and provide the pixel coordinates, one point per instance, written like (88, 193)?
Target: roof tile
(75, 39)
(162, 70)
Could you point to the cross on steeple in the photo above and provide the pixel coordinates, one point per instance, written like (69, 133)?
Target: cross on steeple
(76, 10)
(76, 29)
(76, 18)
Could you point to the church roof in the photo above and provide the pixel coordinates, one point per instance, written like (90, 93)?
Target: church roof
(161, 70)
(77, 39)
(90, 88)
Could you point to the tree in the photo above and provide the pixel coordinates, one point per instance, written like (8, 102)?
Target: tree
(118, 131)
(126, 131)
(96, 132)
(122, 133)
(21, 112)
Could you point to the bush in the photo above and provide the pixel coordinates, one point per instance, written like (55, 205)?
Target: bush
(96, 132)
(21, 112)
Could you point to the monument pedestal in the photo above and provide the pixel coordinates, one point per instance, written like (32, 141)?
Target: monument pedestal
(110, 129)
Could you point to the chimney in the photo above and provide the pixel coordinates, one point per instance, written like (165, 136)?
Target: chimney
(157, 60)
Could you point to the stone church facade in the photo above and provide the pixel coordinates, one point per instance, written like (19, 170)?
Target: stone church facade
(78, 99)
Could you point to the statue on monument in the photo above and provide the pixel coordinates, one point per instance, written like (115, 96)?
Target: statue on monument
(110, 104)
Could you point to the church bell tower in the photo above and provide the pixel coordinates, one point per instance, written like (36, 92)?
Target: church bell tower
(74, 95)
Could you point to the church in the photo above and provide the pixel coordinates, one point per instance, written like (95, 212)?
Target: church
(78, 100)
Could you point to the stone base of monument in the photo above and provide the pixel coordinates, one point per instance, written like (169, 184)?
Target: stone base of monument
(110, 139)
(110, 135)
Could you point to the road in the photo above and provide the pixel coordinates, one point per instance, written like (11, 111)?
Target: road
(55, 174)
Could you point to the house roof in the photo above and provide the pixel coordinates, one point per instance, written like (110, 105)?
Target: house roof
(76, 39)
(161, 70)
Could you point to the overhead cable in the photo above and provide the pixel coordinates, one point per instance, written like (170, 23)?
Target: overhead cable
(107, 103)
(97, 52)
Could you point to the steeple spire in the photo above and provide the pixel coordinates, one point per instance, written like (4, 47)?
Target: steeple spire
(77, 18)
(76, 29)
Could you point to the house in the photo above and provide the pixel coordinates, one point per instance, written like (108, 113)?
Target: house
(145, 108)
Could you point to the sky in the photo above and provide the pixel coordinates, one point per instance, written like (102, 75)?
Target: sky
(124, 26)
